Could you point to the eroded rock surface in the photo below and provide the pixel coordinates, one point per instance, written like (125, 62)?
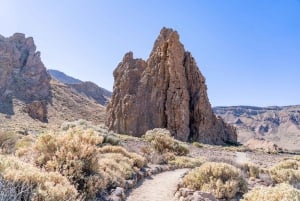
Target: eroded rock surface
(22, 73)
(166, 91)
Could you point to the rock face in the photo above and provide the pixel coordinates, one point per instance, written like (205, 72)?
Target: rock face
(37, 110)
(22, 73)
(166, 91)
(280, 125)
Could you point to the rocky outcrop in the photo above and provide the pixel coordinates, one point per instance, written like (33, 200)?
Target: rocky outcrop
(22, 73)
(37, 110)
(166, 91)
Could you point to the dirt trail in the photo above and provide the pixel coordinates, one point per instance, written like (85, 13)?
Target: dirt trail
(160, 187)
(242, 158)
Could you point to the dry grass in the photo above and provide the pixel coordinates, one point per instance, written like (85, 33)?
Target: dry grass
(8, 141)
(50, 186)
(286, 171)
(251, 170)
(162, 142)
(281, 192)
(81, 157)
(220, 179)
(186, 162)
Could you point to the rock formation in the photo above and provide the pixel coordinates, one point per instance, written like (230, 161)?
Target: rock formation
(166, 91)
(22, 73)
(37, 110)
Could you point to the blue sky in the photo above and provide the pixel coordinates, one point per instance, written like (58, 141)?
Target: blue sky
(248, 50)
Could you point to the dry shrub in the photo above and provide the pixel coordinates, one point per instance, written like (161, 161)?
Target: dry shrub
(8, 141)
(281, 192)
(74, 154)
(287, 171)
(48, 186)
(251, 170)
(137, 160)
(186, 162)
(14, 191)
(162, 142)
(220, 179)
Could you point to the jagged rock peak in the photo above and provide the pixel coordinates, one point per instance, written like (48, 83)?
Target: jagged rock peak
(22, 75)
(166, 91)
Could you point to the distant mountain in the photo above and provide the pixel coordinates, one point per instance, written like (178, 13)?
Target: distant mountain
(89, 89)
(280, 125)
(62, 77)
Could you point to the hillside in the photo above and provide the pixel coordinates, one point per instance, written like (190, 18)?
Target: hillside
(277, 124)
(89, 89)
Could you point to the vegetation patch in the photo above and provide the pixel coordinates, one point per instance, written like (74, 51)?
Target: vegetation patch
(162, 141)
(286, 171)
(278, 193)
(220, 179)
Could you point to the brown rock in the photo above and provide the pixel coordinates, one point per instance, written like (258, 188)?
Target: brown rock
(37, 110)
(22, 73)
(166, 91)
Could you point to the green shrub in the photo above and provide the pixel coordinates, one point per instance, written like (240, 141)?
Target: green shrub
(281, 192)
(220, 179)
(110, 139)
(162, 142)
(287, 171)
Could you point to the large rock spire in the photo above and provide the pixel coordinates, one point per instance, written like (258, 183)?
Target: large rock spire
(166, 91)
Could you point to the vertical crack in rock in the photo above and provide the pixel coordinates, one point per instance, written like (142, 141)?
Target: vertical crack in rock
(166, 91)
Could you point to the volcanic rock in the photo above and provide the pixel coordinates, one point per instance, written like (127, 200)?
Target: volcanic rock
(166, 91)
(22, 73)
(37, 110)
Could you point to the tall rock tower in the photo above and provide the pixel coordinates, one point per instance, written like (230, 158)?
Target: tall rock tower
(166, 91)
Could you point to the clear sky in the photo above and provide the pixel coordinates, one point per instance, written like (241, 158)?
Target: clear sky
(248, 50)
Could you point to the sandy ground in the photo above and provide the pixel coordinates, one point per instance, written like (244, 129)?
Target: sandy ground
(160, 187)
(241, 158)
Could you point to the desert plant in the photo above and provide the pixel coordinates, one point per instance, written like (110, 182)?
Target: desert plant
(220, 179)
(74, 154)
(110, 139)
(8, 141)
(286, 171)
(251, 170)
(162, 142)
(48, 186)
(186, 162)
(14, 191)
(281, 192)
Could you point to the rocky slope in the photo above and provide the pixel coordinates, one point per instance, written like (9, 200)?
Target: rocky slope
(166, 91)
(29, 98)
(89, 89)
(280, 125)
(62, 77)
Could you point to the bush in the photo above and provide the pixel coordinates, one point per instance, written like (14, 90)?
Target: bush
(186, 162)
(8, 141)
(74, 154)
(251, 170)
(49, 186)
(287, 171)
(14, 191)
(281, 192)
(162, 142)
(220, 179)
